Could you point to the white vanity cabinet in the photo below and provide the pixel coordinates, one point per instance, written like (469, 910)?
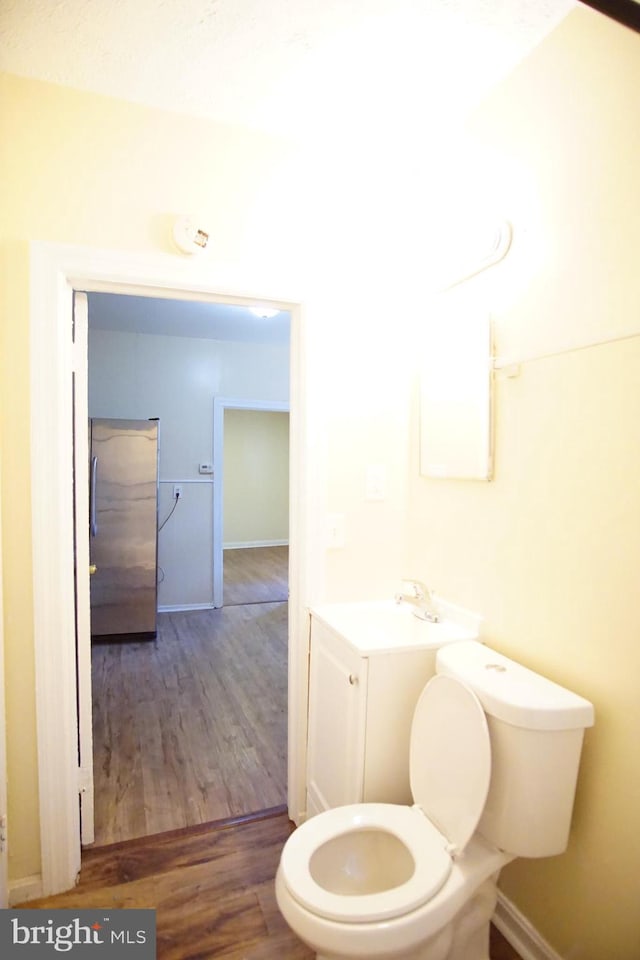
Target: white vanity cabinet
(363, 689)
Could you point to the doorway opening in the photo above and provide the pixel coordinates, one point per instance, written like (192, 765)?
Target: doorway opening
(189, 726)
(56, 271)
(255, 505)
(251, 440)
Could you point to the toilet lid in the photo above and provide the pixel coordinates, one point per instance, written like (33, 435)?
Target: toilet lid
(450, 758)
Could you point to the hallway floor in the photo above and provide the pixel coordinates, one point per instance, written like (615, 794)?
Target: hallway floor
(191, 727)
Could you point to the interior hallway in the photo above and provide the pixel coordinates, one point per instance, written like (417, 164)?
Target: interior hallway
(192, 727)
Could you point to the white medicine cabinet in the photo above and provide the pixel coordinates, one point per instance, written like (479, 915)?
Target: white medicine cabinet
(456, 402)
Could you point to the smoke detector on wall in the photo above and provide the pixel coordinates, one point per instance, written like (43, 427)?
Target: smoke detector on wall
(188, 236)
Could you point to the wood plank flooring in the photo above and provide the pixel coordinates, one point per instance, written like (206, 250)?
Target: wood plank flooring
(212, 888)
(255, 575)
(191, 727)
(188, 729)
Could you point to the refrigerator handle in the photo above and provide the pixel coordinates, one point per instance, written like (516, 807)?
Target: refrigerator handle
(93, 524)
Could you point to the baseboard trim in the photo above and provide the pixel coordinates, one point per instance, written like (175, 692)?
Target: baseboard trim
(197, 829)
(521, 934)
(25, 889)
(182, 607)
(236, 545)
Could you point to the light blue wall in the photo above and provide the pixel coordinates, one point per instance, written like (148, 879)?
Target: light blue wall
(176, 379)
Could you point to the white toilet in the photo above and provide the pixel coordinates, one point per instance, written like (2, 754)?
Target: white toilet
(494, 758)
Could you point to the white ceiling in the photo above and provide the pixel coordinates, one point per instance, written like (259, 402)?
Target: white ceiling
(179, 318)
(291, 67)
(298, 68)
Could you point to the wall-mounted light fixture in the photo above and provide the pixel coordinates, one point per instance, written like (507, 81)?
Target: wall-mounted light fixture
(479, 249)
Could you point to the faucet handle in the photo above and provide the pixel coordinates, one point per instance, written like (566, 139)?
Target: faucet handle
(415, 588)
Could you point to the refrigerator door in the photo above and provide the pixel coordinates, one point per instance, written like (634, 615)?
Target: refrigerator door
(123, 525)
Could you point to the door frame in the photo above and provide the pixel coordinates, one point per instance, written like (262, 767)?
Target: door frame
(220, 404)
(4, 853)
(56, 270)
(82, 562)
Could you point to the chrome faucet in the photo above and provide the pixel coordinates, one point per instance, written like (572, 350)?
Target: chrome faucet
(419, 596)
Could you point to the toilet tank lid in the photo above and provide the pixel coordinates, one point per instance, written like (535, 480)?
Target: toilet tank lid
(511, 692)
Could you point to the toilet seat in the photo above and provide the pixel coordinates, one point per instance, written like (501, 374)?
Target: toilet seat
(450, 758)
(450, 771)
(424, 843)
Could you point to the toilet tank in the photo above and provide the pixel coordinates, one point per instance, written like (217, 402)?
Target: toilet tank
(536, 729)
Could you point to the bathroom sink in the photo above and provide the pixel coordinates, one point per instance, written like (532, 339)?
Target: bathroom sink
(379, 625)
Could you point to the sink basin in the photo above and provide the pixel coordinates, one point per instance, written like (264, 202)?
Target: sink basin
(380, 625)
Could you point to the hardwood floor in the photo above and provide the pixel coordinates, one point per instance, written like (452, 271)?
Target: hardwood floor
(191, 727)
(255, 575)
(212, 888)
(188, 729)
(499, 948)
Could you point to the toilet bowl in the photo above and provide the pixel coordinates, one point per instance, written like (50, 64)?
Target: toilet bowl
(359, 909)
(378, 880)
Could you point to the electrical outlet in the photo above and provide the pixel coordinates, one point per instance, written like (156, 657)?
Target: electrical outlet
(177, 491)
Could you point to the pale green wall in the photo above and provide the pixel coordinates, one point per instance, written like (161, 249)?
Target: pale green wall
(256, 477)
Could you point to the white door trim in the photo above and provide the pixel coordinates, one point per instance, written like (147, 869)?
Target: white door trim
(4, 854)
(56, 270)
(220, 404)
(83, 601)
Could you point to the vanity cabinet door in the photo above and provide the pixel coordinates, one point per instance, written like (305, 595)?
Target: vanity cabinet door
(337, 715)
(394, 684)
(361, 704)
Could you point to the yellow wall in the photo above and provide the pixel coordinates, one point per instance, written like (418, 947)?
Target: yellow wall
(256, 477)
(84, 169)
(549, 552)
(77, 168)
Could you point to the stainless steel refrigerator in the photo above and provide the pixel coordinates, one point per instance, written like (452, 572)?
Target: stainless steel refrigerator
(123, 528)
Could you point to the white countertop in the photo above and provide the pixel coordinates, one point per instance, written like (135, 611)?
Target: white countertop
(383, 626)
